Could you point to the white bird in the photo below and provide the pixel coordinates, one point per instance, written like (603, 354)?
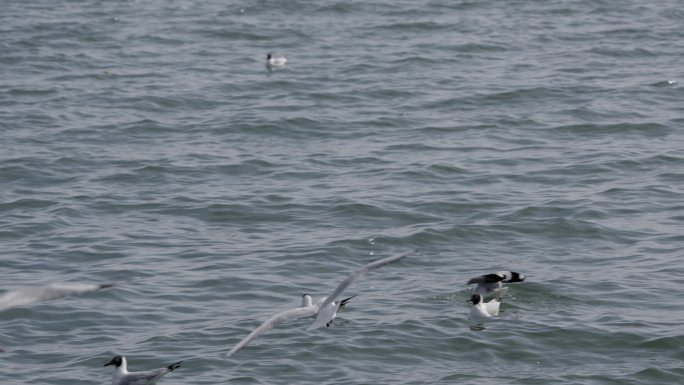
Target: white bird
(307, 309)
(150, 377)
(275, 61)
(33, 294)
(479, 309)
(493, 306)
(327, 310)
(491, 285)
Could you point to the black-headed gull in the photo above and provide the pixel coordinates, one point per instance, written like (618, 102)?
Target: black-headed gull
(33, 294)
(327, 310)
(275, 61)
(480, 309)
(491, 285)
(307, 309)
(150, 377)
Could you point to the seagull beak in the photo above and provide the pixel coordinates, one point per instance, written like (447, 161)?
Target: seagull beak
(109, 363)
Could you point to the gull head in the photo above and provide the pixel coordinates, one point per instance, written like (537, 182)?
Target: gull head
(306, 300)
(475, 299)
(117, 361)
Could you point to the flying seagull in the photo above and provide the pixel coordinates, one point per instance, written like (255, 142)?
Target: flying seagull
(491, 285)
(330, 306)
(307, 309)
(33, 294)
(327, 310)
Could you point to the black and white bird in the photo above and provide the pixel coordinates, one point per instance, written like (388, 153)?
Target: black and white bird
(480, 309)
(150, 377)
(307, 309)
(32, 294)
(275, 61)
(491, 285)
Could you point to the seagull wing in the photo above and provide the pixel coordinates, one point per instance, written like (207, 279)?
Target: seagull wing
(487, 278)
(499, 293)
(358, 273)
(272, 322)
(143, 378)
(33, 294)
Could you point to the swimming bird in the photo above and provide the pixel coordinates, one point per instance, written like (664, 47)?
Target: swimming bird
(327, 310)
(493, 306)
(491, 285)
(479, 309)
(150, 377)
(275, 61)
(307, 309)
(33, 294)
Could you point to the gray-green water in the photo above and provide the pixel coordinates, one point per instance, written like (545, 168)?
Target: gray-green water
(145, 143)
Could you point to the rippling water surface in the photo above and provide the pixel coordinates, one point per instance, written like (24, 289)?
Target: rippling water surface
(145, 143)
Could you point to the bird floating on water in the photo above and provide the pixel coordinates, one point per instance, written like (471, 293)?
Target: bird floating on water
(275, 61)
(480, 309)
(150, 377)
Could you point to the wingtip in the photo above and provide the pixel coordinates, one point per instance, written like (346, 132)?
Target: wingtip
(346, 300)
(106, 285)
(175, 366)
(231, 352)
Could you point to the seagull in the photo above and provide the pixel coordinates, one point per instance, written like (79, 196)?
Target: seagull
(307, 309)
(275, 61)
(327, 310)
(33, 294)
(150, 377)
(481, 309)
(491, 285)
